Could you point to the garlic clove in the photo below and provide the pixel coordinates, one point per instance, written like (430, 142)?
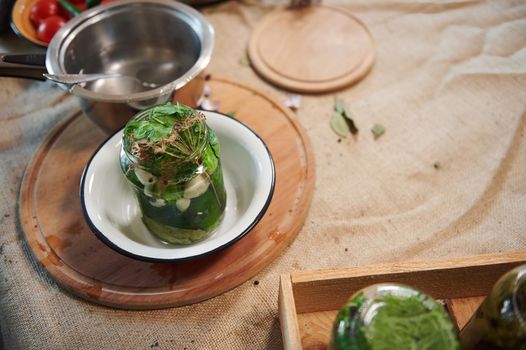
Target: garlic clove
(145, 177)
(159, 202)
(182, 204)
(196, 187)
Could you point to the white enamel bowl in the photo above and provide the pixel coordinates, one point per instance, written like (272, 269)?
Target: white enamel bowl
(112, 211)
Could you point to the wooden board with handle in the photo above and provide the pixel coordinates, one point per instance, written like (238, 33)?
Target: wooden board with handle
(62, 242)
(312, 49)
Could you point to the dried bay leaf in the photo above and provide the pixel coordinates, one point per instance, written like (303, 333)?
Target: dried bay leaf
(378, 130)
(339, 124)
(339, 106)
(345, 115)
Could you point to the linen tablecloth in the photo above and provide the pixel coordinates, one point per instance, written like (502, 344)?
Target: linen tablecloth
(447, 179)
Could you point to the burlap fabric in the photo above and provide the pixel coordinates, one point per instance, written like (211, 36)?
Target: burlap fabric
(446, 179)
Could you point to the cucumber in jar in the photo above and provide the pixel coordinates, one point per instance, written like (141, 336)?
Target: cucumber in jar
(500, 321)
(392, 316)
(172, 160)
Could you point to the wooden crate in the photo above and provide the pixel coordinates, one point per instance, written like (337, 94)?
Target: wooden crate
(310, 300)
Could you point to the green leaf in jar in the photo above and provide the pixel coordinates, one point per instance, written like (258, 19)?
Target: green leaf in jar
(169, 109)
(173, 192)
(166, 109)
(183, 111)
(163, 119)
(411, 323)
(154, 131)
(131, 126)
(140, 130)
(214, 142)
(209, 160)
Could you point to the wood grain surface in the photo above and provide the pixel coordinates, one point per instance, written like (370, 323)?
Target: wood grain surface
(312, 49)
(60, 239)
(315, 329)
(306, 318)
(441, 279)
(462, 309)
(287, 311)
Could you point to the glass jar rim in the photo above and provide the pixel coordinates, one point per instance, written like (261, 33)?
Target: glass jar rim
(198, 150)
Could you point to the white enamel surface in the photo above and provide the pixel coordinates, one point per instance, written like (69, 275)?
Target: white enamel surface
(113, 209)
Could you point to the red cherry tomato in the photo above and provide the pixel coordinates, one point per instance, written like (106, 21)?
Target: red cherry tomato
(41, 10)
(49, 27)
(82, 6)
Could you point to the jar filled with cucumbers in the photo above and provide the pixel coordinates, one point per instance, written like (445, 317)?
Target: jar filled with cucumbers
(500, 321)
(172, 160)
(392, 316)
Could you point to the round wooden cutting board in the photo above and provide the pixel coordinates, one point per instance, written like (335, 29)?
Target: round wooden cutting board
(312, 49)
(62, 242)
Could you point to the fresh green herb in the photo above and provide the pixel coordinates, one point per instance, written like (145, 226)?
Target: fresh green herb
(214, 142)
(68, 6)
(231, 114)
(393, 322)
(411, 323)
(162, 121)
(210, 160)
(153, 130)
(178, 111)
(378, 130)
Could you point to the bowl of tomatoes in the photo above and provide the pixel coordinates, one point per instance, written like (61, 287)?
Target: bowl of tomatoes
(39, 20)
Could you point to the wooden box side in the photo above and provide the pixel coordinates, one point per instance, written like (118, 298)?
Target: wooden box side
(287, 315)
(323, 290)
(309, 300)
(461, 309)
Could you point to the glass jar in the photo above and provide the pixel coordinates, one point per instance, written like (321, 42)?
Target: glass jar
(392, 316)
(171, 158)
(500, 321)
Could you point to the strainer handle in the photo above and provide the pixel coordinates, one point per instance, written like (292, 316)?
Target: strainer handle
(31, 66)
